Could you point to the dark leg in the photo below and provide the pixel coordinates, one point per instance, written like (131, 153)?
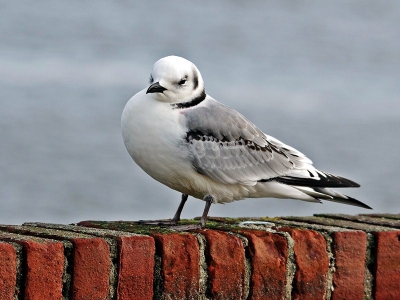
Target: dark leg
(177, 216)
(172, 221)
(209, 200)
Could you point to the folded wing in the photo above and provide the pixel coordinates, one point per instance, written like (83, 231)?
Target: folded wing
(228, 148)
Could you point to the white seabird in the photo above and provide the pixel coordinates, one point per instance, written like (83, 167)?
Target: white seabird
(193, 144)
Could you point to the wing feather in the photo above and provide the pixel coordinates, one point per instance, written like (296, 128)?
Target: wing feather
(227, 147)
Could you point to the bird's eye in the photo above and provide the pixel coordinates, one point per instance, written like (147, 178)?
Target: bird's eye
(151, 79)
(183, 81)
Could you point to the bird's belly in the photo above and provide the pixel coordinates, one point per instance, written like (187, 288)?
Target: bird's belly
(162, 162)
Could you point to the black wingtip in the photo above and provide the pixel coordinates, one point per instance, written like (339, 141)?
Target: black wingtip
(350, 183)
(325, 179)
(351, 201)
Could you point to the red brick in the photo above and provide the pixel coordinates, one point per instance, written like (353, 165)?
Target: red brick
(91, 269)
(387, 275)
(135, 267)
(8, 271)
(180, 267)
(226, 265)
(268, 254)
(44, 270)
(312, 263)
(349, 249)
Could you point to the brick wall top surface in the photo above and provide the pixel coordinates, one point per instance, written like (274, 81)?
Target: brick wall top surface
(318, 257)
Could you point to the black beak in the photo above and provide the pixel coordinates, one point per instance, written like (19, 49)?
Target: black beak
(156, 88)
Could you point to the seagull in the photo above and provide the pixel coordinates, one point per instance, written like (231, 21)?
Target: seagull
(202, 148)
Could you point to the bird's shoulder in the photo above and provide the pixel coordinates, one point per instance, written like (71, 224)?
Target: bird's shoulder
(215, 119)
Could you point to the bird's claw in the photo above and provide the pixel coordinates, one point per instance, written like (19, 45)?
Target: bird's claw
(167, 222)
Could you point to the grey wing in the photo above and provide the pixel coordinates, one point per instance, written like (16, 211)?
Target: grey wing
(228, 148)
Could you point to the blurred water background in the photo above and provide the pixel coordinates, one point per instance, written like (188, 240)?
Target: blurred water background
(322, 76)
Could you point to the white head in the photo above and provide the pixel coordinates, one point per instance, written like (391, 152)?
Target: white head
(175, 80)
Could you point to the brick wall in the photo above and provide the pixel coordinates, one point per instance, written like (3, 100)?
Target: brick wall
(319, 257)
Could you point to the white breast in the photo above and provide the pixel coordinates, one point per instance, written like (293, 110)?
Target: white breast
(153, 133)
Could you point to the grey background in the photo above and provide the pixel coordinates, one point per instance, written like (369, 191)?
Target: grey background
(323, 77)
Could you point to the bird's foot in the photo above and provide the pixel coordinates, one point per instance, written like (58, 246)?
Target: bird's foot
(186, 227)
(171, 224)
(165, 222)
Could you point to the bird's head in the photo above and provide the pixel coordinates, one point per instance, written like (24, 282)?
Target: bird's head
(175, 80)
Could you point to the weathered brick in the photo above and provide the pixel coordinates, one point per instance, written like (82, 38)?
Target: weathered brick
(363, 219)
(8, 271)
(43, 266)
(312, 264)
(44, 270)
(386, 216)
(387, 276)
(349, 249)
(338, 223)
(226, 265)
(135, 261)
(180, 268)
(135, 267)
(225, 258)
(268, 254)
(91, 268)
(91, 263)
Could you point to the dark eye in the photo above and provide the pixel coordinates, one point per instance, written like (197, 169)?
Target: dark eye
(151, 79)
(183, 81)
